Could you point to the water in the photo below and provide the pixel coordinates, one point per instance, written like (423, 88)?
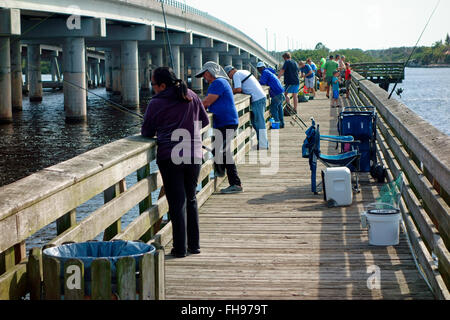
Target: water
(427, 93)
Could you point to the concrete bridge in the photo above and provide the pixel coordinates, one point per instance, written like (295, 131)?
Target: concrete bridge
(131, 34)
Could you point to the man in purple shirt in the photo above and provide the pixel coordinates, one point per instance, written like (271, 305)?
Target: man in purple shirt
(176, 115)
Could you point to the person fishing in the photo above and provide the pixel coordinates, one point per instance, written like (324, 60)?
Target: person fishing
(176, 115)
(220, 101)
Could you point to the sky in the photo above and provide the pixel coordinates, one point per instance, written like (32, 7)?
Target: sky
(365, 24)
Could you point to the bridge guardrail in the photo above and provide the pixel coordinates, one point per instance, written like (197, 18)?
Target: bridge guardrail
(53, 195)
(411, 145)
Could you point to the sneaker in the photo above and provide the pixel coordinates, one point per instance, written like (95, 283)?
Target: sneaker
(232, 189)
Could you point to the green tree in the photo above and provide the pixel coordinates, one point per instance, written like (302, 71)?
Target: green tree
(447, 40)
(321, 46)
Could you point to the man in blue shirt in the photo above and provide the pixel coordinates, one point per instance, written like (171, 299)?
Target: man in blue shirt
(220, 101)
(291, 81)
(309, 76)
(268, 78)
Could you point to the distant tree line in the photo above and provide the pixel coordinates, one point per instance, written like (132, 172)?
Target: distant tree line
(439, 53)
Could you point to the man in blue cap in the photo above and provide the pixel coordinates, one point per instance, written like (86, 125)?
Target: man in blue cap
(269, 78)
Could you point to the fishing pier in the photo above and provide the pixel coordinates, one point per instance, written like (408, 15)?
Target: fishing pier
(274, 241)
(277, 240)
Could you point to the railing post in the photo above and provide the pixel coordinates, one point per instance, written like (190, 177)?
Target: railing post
(34, 273)
(144, 205)
(7, 260)
(160, 274)
(108, 195)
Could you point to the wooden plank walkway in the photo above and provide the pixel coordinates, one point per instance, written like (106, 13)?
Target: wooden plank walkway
(279, 241)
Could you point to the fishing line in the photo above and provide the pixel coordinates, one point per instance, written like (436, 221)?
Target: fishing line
(415, 47)
(112, 103)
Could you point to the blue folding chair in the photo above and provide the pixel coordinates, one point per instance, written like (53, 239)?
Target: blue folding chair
(311, 150)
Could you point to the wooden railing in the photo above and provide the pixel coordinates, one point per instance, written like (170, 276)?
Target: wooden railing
(409, 144)
(54, 194)
(380, 72)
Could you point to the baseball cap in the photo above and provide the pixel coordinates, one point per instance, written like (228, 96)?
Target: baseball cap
(213, 68)
(228, 69)
(261, 65)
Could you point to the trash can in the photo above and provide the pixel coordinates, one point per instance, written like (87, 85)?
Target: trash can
(88, 252)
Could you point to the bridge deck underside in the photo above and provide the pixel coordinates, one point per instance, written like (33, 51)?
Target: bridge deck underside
(279, 241)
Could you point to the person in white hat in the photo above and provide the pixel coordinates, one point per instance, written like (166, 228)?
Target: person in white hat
(246, 83)
(220, 101)
(263, 65)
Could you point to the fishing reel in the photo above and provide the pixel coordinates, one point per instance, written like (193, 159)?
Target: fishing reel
(399, 92)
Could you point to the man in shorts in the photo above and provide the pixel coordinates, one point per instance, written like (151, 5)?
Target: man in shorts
(309, 76)
(291, 80)
(330, 67)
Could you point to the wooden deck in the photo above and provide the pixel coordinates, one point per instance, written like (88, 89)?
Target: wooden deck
(279, 241)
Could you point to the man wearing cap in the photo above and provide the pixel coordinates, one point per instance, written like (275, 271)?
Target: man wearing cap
(270, 79)
(220, 101)
(246, 83)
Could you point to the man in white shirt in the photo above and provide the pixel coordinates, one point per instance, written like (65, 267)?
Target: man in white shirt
(246, 83)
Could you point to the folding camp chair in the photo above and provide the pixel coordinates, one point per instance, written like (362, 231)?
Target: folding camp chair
(311, 150)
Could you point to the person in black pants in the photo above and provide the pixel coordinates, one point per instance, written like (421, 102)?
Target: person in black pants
(179, 160)
(225, 160)
(220, 101)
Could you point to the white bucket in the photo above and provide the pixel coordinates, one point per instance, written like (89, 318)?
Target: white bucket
(384, 229)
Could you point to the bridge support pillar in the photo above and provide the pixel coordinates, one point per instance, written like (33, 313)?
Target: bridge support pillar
(116, 72)
(176, 60)
(182, 67)
(226, 60)
(74, 61)
(130, 73)
(5, 81)
(34, 72)
(53, 55)
(196, 66)
(144, 70)
(214, 56)
(157, 57)
(97, 72)
(108, 70)
(237, 63)
(16, 75)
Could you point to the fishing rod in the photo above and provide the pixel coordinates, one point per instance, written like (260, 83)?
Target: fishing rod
(120, 107)
(167, 34)
(415, 47)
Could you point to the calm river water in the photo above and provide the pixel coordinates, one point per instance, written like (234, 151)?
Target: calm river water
(39, 136)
